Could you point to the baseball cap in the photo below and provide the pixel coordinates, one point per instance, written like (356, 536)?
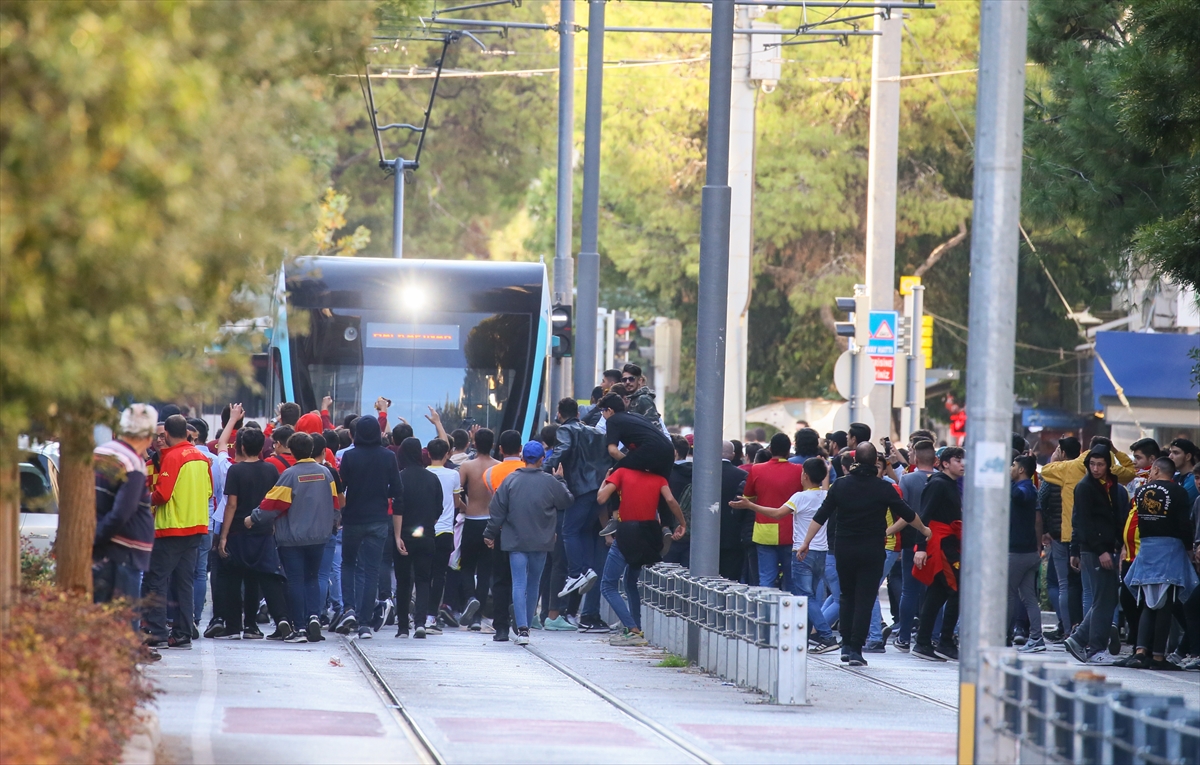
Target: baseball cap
(533, 451)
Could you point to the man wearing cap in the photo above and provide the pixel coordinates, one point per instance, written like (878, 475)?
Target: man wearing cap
(523, 517)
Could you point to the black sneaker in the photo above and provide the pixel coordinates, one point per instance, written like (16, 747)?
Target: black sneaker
(323, 619)
(610, 528)
(364, 633)
(856, 660)
(419, 633)
(447, 616)
(902, 646)
(846, 651)
(180, 641)
(296, 637)
(501, 636)
(874, 648)
(821, 645)
(331, 624)
(476, 626)
(1114, 641)
(252, 633)
(433, 629)
(149, 656)
(470, 611)
(949, 652)
(347, 624)
(282, 631)
(925, 652)
(159, 643)
(216, 629)
(314, 630)
(887, 632)
(402, 632)
(593, 623)
(379, 615)
(195, 630)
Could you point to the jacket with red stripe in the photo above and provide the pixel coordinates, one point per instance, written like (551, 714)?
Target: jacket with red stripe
(303, 506)
(182, 490)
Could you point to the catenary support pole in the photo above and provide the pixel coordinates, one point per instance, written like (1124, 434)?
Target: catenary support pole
(564, 263)
(398, 209)
(992, 323)
(712, 301)
(587, 299)
(884, 145)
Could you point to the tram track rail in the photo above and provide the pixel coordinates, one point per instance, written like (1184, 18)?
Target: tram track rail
(885, 684)
(432, 755)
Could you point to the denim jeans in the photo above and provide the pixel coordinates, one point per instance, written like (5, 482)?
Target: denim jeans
(614, 566)
(328, 582)
(1069, 586)
(526, 570)
(875, 633)
(200, 585)
(362, 550)
(1093, 631)
(303, 567)
(575, 527)
(831, 609)
(771, 559)
(910, 596)
(599, 553)
(808, 579)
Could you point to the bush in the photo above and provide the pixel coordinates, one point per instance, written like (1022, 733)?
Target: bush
(37, 567)
(69, 682)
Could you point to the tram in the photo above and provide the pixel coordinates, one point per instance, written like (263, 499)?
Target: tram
(468, 338)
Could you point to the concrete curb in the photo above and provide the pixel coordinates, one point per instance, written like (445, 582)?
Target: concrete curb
(141, 747)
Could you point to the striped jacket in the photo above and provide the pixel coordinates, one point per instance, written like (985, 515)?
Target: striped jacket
(181, 493)
(303, 506)
(123, 515)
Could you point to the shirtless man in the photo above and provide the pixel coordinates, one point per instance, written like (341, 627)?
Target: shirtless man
(476, 557)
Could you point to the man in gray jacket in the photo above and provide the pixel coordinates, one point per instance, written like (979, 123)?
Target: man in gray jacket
(523, 516)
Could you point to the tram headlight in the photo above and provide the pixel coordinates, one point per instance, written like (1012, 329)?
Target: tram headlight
(351, 334)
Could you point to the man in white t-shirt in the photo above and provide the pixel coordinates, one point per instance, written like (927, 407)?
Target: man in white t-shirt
(808, 575)
(452, 502)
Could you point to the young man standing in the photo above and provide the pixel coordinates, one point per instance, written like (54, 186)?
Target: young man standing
(443, 541)
(181, 495)
(583, 455)
(1100, 507)
(523, 516)
(638, 542)
(938, 558)
(1024, 556)
(414, 527)
(1186, 456)
(808, 573)
(912, 590)
(281, 458)
(475, 565)
(772, 484)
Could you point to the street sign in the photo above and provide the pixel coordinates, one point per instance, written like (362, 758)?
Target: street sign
(907, 283)
(841, 376)
(841, 417)
(881, 347)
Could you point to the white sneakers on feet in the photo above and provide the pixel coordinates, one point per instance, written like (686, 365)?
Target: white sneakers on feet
(582, 583)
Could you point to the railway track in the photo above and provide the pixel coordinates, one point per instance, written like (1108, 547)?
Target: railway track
(430, 753)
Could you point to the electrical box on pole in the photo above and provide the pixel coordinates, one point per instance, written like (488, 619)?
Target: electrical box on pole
(857, 330)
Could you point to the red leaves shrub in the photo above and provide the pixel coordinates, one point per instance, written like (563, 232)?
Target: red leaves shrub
(69, 682)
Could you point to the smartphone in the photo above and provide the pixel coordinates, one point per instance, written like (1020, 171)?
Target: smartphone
(887, 445)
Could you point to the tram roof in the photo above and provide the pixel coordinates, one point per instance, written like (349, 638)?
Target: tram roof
(456, 285)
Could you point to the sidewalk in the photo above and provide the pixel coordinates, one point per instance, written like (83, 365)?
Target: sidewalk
(235, 701)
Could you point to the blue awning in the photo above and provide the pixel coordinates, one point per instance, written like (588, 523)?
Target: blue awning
(1146, 365)
(1054, 419)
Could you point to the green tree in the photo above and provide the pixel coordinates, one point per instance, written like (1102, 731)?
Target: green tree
(153, 169)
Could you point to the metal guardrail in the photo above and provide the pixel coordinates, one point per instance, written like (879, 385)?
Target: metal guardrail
(756, 637)
(1039, 710)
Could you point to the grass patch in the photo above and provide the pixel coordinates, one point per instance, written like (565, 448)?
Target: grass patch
(673, 661)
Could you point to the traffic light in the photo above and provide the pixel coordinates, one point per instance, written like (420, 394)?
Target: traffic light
(563, 341)
(857, 311)
(927, 340)
(626, 331)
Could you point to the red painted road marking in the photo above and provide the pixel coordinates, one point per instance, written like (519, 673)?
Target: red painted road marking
(473, 730)
(779, 738)
(300, 722)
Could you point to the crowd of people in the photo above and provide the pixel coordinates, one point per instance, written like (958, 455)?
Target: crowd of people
(316, 527)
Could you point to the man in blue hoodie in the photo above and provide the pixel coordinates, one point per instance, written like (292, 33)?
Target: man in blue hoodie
(371, 478)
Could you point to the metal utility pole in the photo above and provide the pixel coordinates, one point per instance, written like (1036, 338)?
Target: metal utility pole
(712, 301)
(588, 300)
(914, 361)
(564, 264)
(398, 209)
(884, 146)
(992, 326)
(743, 99)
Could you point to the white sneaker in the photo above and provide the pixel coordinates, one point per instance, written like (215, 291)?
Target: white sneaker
(590, 579)
(573, 583)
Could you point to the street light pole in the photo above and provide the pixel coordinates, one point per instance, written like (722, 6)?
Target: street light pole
(564, 264)
(992, 327)
(588, 298)
(398, 209)
(712, 301)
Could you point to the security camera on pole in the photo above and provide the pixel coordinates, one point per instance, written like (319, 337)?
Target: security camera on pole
(854, 373)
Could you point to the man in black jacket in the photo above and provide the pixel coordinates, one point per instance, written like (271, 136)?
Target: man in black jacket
(941, 510)
(583, 454)
(737, 526)
(680, 482)
(371, 477)
(1101, 506)
(857, 507)
(413, 526)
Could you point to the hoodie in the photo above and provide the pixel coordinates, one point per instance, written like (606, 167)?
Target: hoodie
(370, 476)
(316, 423)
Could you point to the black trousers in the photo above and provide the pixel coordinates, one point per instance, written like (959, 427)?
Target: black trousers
(501, 589)
(730, 562)
(171, 555)
(859, 570)
(476, 563)
(237, 591)
(1155, 626)
(443, 545)
(651, 457)
(414, 570)
(936, 595)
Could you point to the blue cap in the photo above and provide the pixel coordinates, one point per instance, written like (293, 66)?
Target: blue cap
(533, 451)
